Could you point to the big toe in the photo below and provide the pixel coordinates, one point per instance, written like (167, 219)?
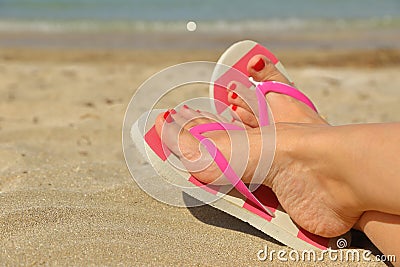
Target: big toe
(261, 69)
(177, 138)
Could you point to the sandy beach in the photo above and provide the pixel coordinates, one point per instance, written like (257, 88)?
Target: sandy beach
(66, 195)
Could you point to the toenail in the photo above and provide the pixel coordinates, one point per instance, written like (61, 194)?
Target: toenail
(234, 107)
(259, 65)
(167, 117)
(166, 114)
(232, 87)
(173, 111)
(234, 95)
(198, 111)
(185, 106)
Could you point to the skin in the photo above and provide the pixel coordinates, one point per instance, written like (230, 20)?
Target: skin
(383, 229)
(316, 172)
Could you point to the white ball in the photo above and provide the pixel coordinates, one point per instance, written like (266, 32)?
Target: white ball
(191, 26)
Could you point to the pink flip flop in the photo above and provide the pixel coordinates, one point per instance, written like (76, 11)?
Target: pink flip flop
(236, 58)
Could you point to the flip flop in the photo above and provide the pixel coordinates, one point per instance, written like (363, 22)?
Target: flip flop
(259, 208)
(236, 57)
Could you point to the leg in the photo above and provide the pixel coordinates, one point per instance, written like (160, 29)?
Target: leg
(383, 230)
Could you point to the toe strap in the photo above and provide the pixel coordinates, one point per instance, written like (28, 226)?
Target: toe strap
(264, 88)
(221, 161)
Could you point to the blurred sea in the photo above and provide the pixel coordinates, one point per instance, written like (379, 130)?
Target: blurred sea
(227, 17)
(210, 15)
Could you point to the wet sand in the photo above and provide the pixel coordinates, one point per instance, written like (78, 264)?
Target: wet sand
(66, 195)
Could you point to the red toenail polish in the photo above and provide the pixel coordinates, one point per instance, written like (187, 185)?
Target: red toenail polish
(233, 120)
(166, 114)
(185, 106)
(198, 111)
(167, 117)
(232, 87)
(259, 65)
(173, 111)
(234, 95)
(234, 107)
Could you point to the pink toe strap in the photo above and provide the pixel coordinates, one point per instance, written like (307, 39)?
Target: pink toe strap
(264, 88)
(221, 161)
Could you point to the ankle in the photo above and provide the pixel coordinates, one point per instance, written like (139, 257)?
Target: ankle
(288, 151)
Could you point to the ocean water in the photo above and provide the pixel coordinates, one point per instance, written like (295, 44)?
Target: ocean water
(210, 15)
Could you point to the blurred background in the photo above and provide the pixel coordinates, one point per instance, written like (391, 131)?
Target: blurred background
(160, 24)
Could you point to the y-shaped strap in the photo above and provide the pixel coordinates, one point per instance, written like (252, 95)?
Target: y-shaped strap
(221, 161)
(264, 88)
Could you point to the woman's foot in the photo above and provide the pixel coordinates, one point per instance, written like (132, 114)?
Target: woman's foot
(317, 202)
(173, 128)
(284, 108)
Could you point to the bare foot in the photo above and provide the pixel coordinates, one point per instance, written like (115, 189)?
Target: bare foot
(318, 202)
(173, 128)
(284, 108)
(290, 189)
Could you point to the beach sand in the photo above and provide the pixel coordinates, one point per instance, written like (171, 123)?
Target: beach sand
(66, 195)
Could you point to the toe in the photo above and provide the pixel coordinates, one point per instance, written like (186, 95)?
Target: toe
(168, 130)
(247, 117)
(175, 137)
(184, 145)
(188, 117)
(212, 117)
(241, 96)
(261, 69)
(235, 99)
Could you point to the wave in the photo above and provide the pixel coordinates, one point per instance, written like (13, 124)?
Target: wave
(216, 26)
